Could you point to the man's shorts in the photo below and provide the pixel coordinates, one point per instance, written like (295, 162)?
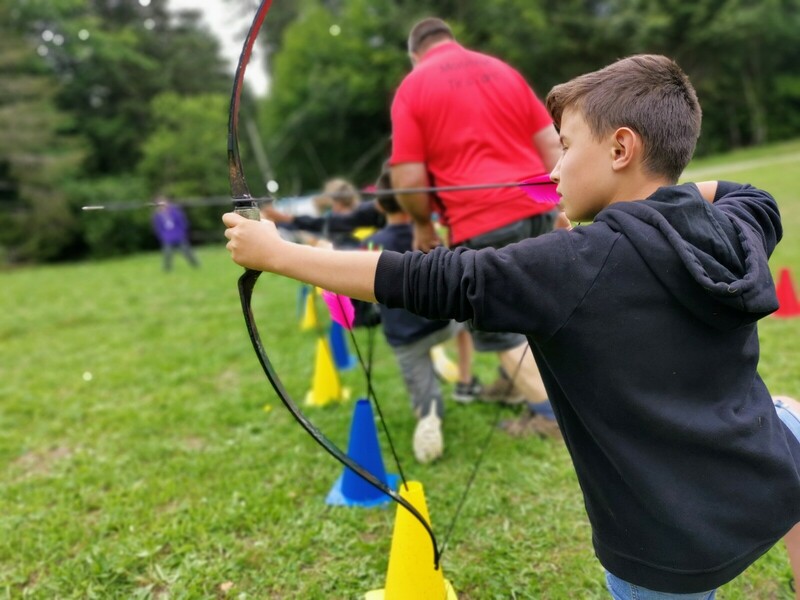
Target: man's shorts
(491, 341)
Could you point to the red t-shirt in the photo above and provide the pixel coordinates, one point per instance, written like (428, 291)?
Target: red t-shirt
(471, 119)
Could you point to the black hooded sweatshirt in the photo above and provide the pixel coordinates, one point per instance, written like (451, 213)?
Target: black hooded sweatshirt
(643, 325)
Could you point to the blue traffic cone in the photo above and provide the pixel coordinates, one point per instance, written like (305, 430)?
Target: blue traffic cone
(302, 294)
(350, 489)
(341, 353)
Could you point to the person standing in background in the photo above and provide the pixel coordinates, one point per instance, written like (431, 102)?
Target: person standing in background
(172, 230)
(459, 118)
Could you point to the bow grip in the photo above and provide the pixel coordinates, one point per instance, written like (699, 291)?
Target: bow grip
(248, 209)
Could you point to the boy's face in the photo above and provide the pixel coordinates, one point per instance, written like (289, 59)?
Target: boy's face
(583, 173)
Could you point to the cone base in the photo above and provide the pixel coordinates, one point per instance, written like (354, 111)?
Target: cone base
(311, 400)
(351, 363)
(450, 593)
(337, 498)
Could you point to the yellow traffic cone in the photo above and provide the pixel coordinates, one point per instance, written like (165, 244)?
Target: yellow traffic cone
(325, 386)
(444, 367)
(411, 575)
(309, 320)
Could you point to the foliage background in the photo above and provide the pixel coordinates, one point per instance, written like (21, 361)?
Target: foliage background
(113, 101)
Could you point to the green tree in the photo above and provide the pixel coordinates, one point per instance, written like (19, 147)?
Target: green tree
(184, 156)
(328, 111)
(36, 156)
(71, 71)
(112, 58)
(736, 53)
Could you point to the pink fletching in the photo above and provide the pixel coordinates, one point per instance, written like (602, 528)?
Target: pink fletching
(341, 308)
(541, 189)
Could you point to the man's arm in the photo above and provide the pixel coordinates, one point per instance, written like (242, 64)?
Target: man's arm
(415, 175)
(548, 146)
(257, 245)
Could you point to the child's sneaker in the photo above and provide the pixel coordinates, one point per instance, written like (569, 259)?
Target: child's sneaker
(428, 439)
(467, 392)
(502, 390)
(529, 423)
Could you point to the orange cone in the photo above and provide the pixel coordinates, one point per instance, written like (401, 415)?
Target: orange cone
(411, 575)
(787, 298)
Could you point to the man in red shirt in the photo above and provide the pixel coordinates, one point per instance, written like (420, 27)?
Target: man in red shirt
(459, 118)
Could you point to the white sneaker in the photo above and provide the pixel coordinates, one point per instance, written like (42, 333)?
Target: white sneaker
(428, 439)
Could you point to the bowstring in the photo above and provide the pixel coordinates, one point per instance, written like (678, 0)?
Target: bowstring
(483, 449)
(366, 366)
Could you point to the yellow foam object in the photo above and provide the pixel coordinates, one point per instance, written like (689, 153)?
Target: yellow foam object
(411, 575)
(444, 367)
(309, 320)
(325, 386)
(362, 233)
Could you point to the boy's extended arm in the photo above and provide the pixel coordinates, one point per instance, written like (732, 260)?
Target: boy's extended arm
(749, 205)
(752, 207)
(708, 189)
(257, 245)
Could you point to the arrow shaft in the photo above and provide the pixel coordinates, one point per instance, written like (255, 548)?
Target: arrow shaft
(214, 201)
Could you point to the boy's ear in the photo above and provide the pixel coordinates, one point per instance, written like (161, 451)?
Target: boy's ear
(626, 147)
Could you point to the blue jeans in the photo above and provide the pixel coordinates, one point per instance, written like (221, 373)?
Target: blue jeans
(790, 419)
(622, 590)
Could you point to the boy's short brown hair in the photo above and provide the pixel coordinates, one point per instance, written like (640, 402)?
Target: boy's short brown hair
(426, 32)
(648, 93)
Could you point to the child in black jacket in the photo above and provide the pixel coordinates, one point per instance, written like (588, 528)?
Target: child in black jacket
(412, 337)
(643, 324)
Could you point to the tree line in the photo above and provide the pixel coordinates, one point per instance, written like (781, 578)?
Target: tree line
(115, 101)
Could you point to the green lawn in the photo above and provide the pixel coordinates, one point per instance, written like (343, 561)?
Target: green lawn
(144, 454)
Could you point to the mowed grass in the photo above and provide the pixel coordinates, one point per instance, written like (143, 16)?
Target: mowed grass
(144, 454)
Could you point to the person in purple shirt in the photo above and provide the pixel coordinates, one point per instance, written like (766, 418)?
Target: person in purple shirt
(172, 230)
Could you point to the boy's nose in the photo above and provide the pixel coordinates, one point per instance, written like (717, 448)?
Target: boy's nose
(555, 174)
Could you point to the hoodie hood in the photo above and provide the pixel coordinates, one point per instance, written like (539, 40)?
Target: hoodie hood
(712, 261)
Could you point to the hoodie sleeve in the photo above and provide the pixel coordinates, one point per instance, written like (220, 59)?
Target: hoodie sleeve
(755, 208)
(531, 287)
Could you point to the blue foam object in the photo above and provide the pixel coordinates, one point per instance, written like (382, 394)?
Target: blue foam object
(341, 354)
(302, 294)
(350, 489)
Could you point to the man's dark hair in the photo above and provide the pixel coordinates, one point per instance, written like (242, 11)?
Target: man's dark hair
(648, 93)
(388, 202)
(427, 32)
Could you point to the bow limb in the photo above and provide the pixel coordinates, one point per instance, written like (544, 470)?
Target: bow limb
(245, 205)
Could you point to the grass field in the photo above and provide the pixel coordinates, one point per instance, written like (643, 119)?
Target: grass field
(144, 454)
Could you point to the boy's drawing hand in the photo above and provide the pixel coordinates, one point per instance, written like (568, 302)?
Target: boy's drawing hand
(252, 244)
(425, 237)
